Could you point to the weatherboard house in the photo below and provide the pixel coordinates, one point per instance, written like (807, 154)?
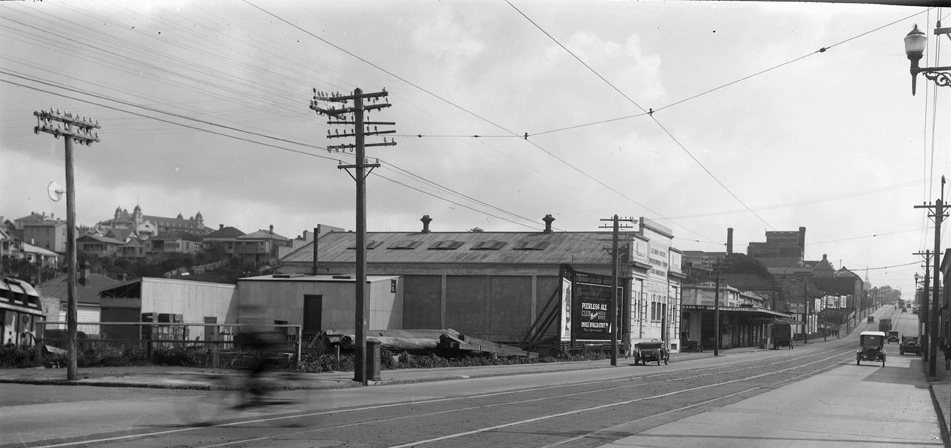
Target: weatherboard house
(522, 288)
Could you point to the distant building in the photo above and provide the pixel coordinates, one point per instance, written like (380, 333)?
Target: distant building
(176, 242)
(261, 247)
(146, 226)
(39, 256)
(99, 246)
(50, 235)
(224, 239)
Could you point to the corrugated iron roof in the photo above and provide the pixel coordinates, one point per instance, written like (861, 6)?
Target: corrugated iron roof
(461, 247)
(88, 293)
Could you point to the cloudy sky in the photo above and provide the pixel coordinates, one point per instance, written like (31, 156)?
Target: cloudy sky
(204, 108)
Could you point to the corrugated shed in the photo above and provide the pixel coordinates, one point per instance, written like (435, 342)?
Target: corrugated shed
(88, 293)
(461, 247)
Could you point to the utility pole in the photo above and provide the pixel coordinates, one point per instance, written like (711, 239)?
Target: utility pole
(716, 311)
(805, 312)
(350, 112)
(924, 313)
(81, 130)
(932, 317)
(614, 282)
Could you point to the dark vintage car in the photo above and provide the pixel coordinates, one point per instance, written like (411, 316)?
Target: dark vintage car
(893, 336)
(909, 344)
(871, 347)
(871, 319)
(650, 351)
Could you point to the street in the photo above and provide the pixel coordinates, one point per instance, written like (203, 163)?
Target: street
(813, 394)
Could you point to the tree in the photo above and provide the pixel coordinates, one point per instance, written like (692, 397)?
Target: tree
(476, 230)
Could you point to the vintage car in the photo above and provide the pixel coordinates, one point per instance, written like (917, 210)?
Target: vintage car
(871, 347)
(909, 344)
(650, 351)
(871, 319)
(893, 336)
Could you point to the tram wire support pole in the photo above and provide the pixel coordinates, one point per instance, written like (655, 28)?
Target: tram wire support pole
(80, 130)
(351, 112)
(615, 255)
(716, 310)
(924, 309)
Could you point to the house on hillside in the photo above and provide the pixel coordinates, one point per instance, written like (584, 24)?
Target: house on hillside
(39, 256)
(224, 239)
(99, 246)
(175, 243)
(259, 247)
(48, 234)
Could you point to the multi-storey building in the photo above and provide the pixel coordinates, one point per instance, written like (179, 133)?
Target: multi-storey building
(50, 235)
(259, 247)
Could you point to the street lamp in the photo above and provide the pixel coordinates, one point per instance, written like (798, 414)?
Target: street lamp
(915, 43)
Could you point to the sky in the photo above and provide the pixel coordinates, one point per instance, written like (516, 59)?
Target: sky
(702, 116)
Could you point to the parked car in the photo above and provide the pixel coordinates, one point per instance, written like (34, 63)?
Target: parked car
(871, 319)
(909, 344)
(782, 336)
(871, 347)
(893, 336)
(650, 351)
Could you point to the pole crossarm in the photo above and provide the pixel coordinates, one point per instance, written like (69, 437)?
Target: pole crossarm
(351, 112)
(80, 129)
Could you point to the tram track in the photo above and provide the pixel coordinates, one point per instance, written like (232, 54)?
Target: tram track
(518, 408)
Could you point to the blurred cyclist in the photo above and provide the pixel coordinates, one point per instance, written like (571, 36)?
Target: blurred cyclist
(258, 336)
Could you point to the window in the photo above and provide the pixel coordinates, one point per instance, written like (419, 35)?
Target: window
(406, 245)
(446, 245)
(488, 245)
(532, 245)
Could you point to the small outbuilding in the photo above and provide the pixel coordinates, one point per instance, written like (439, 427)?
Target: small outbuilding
(322, 302)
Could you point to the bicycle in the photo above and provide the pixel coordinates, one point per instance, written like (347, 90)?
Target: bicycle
(229, 394)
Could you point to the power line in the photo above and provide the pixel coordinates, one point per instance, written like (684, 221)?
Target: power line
(650, 113)
(566, 163)
(722, 86)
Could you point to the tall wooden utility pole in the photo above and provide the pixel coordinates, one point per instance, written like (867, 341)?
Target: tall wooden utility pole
(81, 130)
(615, 255)
(931, 346)
(352, 115)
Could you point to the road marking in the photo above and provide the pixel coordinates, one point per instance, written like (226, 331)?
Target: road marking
(404, 403)
(596, 408)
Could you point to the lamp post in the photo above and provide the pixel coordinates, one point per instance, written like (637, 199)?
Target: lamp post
(915, 43)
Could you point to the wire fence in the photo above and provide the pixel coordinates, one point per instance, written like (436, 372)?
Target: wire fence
(229, 345)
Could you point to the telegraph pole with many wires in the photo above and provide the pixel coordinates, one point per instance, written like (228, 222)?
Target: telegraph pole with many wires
(938, 213)
(350, 112)
(614, 281)
(80, 130)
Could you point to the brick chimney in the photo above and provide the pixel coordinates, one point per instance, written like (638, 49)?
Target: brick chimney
(426, 220)
(221, 226)
(548, 220)
(729, 241)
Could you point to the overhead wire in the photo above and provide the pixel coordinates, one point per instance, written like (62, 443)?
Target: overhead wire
(206, 122)
(650, 113)
(731, 83)
(467, 111)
